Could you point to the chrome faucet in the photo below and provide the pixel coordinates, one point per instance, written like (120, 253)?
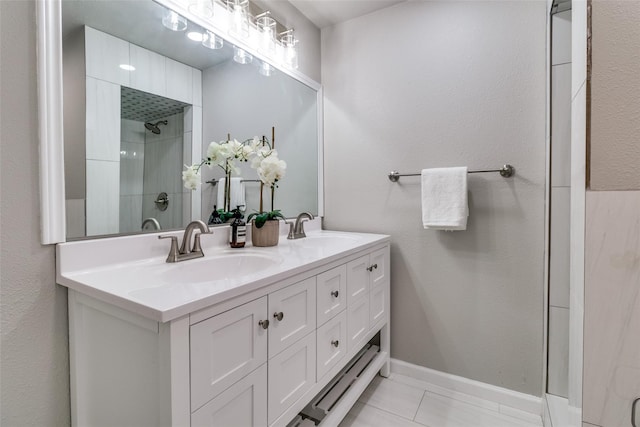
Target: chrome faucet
(296, 231)
(184, 252)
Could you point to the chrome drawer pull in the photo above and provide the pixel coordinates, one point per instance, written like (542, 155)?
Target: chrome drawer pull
(264, 324)
(278, 316)
(335, 343)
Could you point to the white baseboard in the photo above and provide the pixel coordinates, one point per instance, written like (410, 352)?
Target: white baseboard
(501, 396)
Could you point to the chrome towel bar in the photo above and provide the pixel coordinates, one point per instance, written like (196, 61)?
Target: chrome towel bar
(505, 171)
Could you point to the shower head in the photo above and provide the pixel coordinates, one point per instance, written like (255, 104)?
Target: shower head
(154, 127)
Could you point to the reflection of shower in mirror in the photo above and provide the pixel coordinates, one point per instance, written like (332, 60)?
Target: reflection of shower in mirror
(154, 127)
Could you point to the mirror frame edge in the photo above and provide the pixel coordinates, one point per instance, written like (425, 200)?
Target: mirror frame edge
(320, 104)
(50, 121)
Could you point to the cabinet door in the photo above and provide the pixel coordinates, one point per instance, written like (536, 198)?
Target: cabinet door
(331, 293)
(379, 286)
(291, 374)
(378, 304)
(357, 322)
(331, 343)
(379, 268)
(292, 314)
(357, 278)
(244, 404)
(225, 348)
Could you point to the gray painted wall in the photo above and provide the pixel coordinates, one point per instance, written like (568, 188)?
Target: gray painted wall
(436, 84)
(34, 365)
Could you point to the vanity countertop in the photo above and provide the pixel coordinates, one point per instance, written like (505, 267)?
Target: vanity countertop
(130, 272)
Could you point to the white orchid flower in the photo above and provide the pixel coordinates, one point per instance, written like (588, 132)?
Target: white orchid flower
(191, 176)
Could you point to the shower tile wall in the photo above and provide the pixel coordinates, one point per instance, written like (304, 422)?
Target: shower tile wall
(163, 166)
(131, 175)
(560, 205)
(126, 186)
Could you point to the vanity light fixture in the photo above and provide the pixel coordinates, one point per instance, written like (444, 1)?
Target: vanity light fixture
(173, 21)
(196, 36)
(267, 28)
(239, 19)
(241, 56)
(265, 69)
(290, 53)
(211, 41)
(202, 8)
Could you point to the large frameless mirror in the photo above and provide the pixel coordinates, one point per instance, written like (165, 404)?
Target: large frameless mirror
(142, 100)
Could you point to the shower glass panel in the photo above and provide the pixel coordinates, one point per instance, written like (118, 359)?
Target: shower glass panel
(560, 179)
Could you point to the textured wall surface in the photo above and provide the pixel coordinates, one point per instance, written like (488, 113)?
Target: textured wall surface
(615, 95)
(436, 84)
(34, 365)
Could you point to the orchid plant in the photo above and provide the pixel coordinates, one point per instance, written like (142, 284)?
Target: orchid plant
(226, 154)
(270, 170)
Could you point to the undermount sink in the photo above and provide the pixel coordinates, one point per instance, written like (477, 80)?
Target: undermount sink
(218, 267)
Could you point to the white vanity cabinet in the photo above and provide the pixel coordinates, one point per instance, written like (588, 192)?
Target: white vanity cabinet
(256, 359)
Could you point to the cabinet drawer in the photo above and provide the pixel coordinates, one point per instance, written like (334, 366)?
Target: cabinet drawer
(225, 348)
(357, 278)
(357, 322)
(244, 404)
(331, 293)
(331, 343)
(291, 374)
(292, 314)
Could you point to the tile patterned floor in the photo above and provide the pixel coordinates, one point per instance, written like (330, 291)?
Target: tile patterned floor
(400, 401)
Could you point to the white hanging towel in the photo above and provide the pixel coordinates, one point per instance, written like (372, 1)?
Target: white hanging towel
(237, 193)
(444, 198)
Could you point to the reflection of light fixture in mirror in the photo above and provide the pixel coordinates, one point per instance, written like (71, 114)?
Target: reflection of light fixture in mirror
(241, 56)
(290, 57)
(195, 36)
(267, 28)
(127, 67)
(203, 8)
(173, 21)
(265, 69)
(239, 24)
(211, 41)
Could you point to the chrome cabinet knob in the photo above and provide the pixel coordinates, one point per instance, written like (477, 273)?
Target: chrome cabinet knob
(264, 324)
(375, 266)
(278, 315)
(334, 294)
(335, 343)
(372, 267)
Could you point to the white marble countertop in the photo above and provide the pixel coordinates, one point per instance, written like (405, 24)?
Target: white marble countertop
(131, 272)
